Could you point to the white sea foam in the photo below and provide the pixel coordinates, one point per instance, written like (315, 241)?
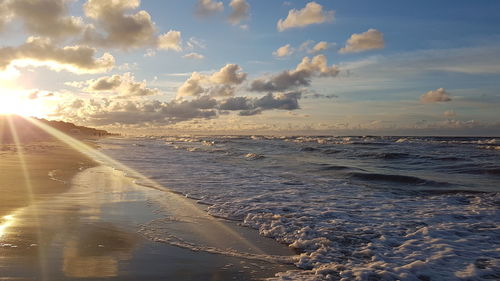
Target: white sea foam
(342, 231)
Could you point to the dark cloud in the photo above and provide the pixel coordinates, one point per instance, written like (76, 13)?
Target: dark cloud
(319, 96)
(109, 112)
(288, 101)
(237, 103)
(250, 112)
(300, 77)
(46, 17)
(253, 106)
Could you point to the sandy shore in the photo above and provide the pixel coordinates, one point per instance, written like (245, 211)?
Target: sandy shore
(49, 166)
(103, 226)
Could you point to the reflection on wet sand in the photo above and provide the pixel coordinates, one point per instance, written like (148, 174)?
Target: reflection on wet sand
(92, 231)
(97, 250)
(5, 222)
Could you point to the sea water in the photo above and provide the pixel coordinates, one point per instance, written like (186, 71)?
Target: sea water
(353, 208)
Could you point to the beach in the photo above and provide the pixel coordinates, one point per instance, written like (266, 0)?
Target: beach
(50, 166)
(87, 221)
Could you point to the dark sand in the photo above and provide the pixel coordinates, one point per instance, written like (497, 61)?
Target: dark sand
(103, 226)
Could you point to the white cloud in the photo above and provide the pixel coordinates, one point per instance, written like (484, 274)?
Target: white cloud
(230, 75)
(368, 40)
(170, 41)
(194, 42)
(320, 46)
(195, 56)
(312, 13)
(41, 52)
(192, 86)
(438, 95)
(150, 53)
(241, 10)
(283, 51)
(123, 85)
(208, 7)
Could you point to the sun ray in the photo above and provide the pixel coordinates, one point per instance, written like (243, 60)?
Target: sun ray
(29, 189)
(95, 154)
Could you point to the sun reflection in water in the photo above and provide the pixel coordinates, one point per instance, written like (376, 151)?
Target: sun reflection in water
(5, 223)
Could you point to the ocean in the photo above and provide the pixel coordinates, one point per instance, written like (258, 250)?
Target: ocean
(353, 208)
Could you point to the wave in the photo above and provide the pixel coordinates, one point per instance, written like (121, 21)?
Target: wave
(395, 179)
(254, 156)
(309, 149)
(331, 167)
(331, 151)
(384, 155)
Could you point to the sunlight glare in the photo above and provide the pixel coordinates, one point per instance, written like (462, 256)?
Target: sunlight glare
(5, 223)
(14, 102)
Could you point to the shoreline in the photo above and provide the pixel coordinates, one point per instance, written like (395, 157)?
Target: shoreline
(103, 225)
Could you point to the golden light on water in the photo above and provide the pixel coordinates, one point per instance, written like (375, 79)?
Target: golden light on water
(98, 156)
(5, 223)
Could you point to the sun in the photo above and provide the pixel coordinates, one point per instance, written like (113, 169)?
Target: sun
(15, 102)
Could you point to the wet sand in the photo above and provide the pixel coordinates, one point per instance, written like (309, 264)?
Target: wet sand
(106, 227)
(50, 166)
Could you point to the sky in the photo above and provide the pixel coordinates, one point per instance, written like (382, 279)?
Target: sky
(340, 67)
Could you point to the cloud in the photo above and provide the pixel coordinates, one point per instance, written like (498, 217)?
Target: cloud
(449, 114)
(438, 95)
(241, 10)
(192, 86)
(229, 74)
(121, 30)
(125, 30)
(5, 14)
(237, 103)
(286, 101)
(320, 96)
(218, 83)
(320, 46)
(193, 56)
(222, 91)
(368, 40)
(170, 41)
(148, 112)
(301, 76)
(208, 7)
(123, 85)
(283, 51)
(47, 18)
(252, 106)
(119, 112)
(194, 42)
(312, 13)
(38, 51)
(106, 111)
